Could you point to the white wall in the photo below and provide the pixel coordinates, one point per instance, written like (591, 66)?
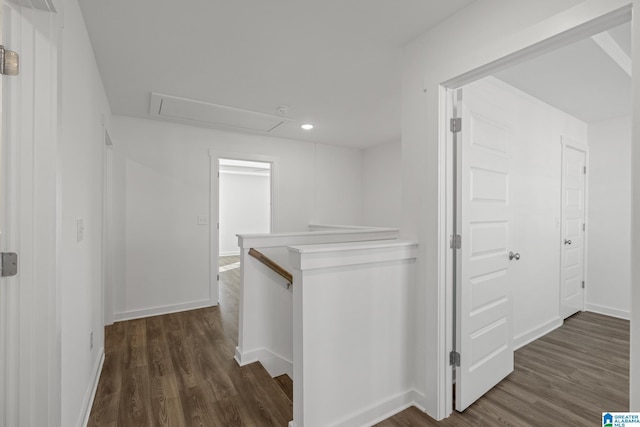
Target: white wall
(164, 184)
(245, 204)
(609, 218)
(536, 131)
(486, 31)
(382, 185)
(338, 185)
(83, 107)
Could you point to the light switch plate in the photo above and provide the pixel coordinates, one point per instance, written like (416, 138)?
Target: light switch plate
(203, 220)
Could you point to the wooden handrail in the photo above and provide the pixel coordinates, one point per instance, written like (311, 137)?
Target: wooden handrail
(272, 265)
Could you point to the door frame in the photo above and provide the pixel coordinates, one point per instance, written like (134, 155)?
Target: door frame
(565, 143)
(214, 208)
(603, 20)
(107, 229)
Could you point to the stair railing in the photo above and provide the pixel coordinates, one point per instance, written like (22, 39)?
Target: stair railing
(272, 265)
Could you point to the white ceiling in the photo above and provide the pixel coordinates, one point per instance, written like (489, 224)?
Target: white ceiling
(334, 63)
(580, 79)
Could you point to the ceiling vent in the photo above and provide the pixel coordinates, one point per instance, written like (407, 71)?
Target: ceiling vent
(211, 115)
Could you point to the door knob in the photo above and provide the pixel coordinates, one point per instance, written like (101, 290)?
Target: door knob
(567, 242)
(513, 256)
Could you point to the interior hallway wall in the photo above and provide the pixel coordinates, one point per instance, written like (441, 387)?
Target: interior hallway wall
(609, 218)
(382, 185)
(163, 184)
(338, 185)
(83, 111)
(245, 204)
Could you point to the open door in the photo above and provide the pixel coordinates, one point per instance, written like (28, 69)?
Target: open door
(574, 172)
(484, 309)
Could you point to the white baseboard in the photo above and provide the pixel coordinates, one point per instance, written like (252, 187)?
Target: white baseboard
(380, 411)
(609, 311)
(167, 309)
(91, 393)
(535, 333)
(275, 365)
(233, 253)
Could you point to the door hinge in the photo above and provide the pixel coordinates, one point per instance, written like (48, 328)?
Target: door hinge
(218, 277)
(584, 226)
(455, 242)
(8, 264)
(455, 125)
(583, 284)
(584, 170)
(9, 62)
(454, 358)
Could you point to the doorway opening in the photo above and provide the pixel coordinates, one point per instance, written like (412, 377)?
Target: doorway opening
(244, 206)
(535, 210)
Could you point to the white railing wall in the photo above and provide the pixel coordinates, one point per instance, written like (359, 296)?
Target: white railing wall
(353, 332)
(265, 328)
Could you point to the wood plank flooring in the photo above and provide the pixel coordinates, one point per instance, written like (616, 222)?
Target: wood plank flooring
(568, 377)
(178, 370)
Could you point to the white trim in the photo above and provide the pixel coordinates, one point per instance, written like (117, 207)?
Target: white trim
(312, 257)
(608, 311)
(576, 23)
(267, 172)
(91, 394)
(575, 144)
(446, 264)
(315, 237)
(535, 333)
(613, 49)
(232, 253)
(165, 309)
(381, 411)
(274, 364)
(333, 227)
(107, 228)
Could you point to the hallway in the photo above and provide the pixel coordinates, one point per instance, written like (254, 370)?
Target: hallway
(178, 370)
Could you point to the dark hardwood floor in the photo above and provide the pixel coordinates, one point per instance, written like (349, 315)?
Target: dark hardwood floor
(178, 370)
(566, 378)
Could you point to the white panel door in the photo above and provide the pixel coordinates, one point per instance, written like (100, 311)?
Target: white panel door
(484, 313)
(573, 219)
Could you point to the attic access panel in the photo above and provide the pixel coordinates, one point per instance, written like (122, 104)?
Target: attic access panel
(207, 114)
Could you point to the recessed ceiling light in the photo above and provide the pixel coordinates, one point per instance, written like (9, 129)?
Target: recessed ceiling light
(307, 126)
